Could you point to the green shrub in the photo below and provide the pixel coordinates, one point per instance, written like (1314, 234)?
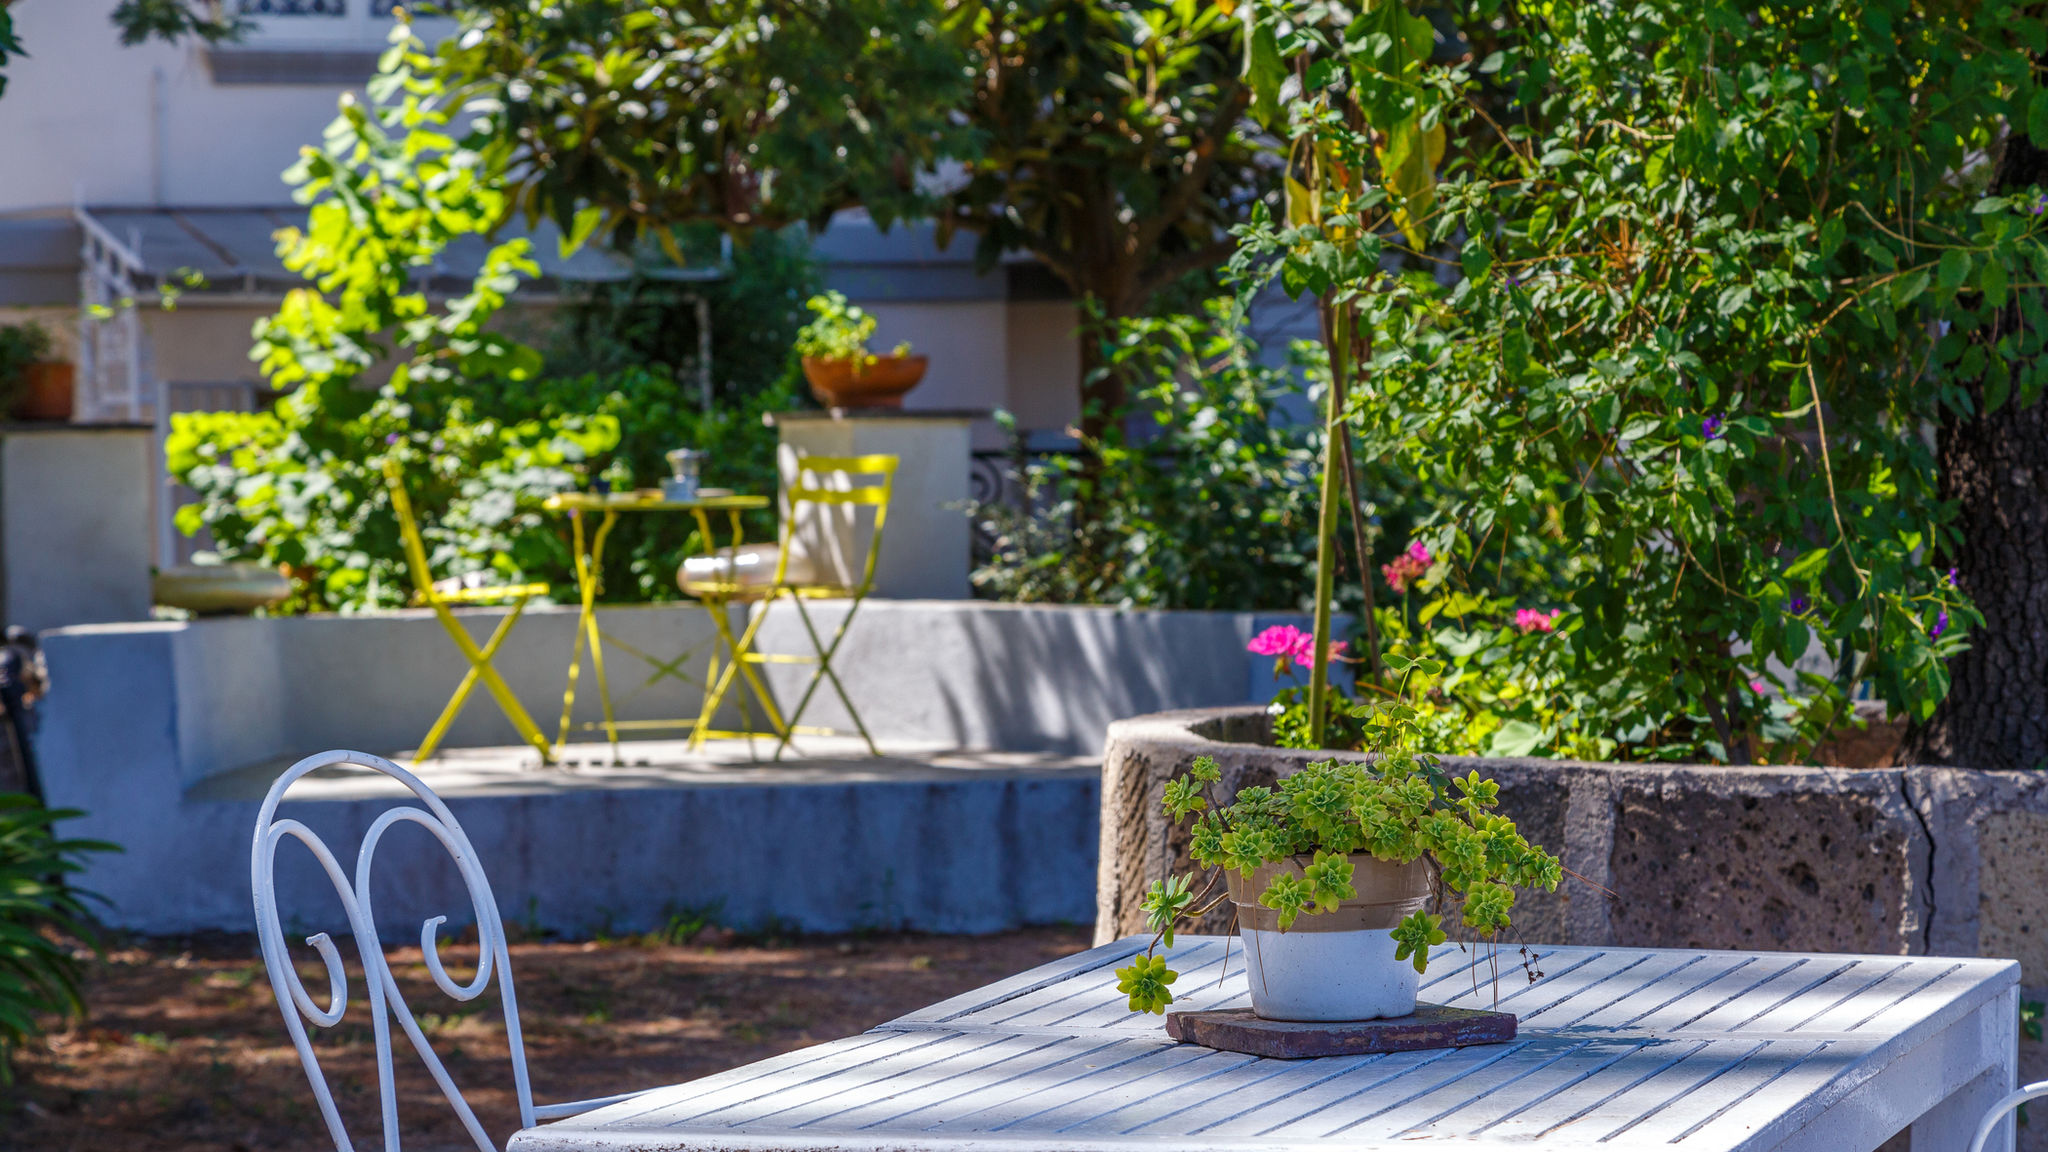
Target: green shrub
(39, 918)
(1213, 508)
(1695, 282)
(20, 346)
(486, 427)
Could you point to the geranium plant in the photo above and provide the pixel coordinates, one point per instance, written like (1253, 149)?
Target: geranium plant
(840, 332)
(1396, 806)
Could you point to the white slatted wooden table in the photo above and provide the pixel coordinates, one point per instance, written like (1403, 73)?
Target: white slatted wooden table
(1619, 1048)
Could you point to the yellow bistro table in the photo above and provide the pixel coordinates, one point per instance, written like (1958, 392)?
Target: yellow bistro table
(589, 553)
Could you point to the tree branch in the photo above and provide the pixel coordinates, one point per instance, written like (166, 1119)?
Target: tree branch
(1172, 268)
(1208, 148)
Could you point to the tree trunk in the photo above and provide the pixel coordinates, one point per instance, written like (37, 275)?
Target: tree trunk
(1995, 468)
(1104, 392)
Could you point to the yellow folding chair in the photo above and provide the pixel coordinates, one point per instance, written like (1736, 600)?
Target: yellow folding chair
(734, 575)
(439, 599)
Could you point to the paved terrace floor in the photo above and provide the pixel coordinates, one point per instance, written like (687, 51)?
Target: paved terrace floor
(516, 770)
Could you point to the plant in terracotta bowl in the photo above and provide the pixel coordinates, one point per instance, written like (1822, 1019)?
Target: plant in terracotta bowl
(841, 370)
(1333, 874)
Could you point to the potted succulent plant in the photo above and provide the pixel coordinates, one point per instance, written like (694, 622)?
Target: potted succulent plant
(1333, 872)
(32, 385)
(841, 370)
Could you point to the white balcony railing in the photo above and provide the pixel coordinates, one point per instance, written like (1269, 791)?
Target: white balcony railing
(321, 23)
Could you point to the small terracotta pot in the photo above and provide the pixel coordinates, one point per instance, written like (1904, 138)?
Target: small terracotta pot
(46, 394)
(1336, 965)
(848, 384)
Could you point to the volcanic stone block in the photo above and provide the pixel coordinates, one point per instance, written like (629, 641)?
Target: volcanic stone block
(1807, 860)
(2012, 900)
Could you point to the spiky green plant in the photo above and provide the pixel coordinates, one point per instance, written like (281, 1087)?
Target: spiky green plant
(41, 919)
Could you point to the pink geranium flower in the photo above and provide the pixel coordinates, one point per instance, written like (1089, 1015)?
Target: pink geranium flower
(1408, 567)
(1288, 642)
(1279, 640)
(1537, 620)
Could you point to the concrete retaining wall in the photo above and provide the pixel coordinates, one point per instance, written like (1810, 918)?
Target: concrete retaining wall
(146, 721)
(972, 675)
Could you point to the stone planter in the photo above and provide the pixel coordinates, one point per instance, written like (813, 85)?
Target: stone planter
(1336, 965)
(219, 589)
(1912, 860)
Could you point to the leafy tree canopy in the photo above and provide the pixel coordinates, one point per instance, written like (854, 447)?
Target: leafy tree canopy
(636, 116)
(1695, 282)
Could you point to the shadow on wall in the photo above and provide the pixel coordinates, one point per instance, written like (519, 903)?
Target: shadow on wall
(1019, 677)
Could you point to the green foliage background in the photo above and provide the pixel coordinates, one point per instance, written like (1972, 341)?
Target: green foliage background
(486, 427)
(1695, 281)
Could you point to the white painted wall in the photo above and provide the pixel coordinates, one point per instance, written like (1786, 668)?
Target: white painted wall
(75, 525)
(925, 540)
(1043, 373)
(87, 120)
(968, 344)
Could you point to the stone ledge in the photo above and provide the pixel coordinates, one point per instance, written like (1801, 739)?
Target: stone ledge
(1907, 861)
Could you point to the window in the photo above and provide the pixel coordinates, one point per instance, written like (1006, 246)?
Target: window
(278, 24)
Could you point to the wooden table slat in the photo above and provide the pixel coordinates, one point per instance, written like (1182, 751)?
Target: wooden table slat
(1619, 1048)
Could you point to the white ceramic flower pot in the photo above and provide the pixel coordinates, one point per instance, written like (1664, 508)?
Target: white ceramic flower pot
(1337, 965)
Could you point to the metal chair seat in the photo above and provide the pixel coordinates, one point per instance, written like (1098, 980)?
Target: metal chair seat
(745, 573)
(486, 594)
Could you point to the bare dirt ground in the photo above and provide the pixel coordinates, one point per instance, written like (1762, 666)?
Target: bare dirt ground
(185, 1048)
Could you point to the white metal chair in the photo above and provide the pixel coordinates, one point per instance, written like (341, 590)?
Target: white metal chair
(386, 1001)
(1998, 1112)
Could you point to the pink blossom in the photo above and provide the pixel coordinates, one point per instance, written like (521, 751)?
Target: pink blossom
(1410, 566)
(1756, 686)
(1279, 640)
(1537, 620)
(1287, 641)
(1301, 654)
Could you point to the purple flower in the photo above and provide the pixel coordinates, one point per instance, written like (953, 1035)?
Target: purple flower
(1940, 624)
(1712, 427)
(391, 437)
(1951, 577)
(1797, 605)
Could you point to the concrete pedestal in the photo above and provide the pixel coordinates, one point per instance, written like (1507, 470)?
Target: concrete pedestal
(925, 544)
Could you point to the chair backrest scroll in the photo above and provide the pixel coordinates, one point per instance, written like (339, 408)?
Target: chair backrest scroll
(386, 1000)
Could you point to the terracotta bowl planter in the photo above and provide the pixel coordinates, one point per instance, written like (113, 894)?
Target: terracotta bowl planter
(880, 384)
(46, 394)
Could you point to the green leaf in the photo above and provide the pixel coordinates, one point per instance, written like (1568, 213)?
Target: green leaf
(1475, 259)
(1909, 287)
(2037, 118)
(1266, 71)
(1954, 269)
(1808, 566)
(1992, 281)
(1515, 738)
(587, 220)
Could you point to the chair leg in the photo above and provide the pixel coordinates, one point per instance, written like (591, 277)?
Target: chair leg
(427, 746)
(737, 666)
(825, 653)
(480, 668)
